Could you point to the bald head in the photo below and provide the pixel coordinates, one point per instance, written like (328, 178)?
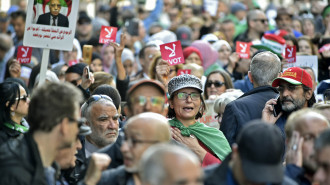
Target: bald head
(167, 164)
(154, 125)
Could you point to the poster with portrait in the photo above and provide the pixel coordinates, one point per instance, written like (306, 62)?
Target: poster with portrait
(51, 24)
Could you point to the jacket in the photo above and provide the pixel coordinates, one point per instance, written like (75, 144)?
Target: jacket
(20, 162)
(297, 174)
(246, 108)
(117, 176)
(217, 174)
(7, 133)
(45, 20)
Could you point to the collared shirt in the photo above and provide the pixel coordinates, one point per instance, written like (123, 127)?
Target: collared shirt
(90, 148)
(52, 20)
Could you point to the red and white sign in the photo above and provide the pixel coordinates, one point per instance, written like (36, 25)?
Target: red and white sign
(172, 52)
(108, 34)
(24, 54)
(290, 54)
(183, 71)
(73, 62)
(243, 49)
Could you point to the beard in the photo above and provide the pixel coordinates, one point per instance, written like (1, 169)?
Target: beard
(295, 104)
(100, 138)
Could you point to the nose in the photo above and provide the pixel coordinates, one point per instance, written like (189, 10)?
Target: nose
(147, 106)
(285, 92)
(319, 175)
(124, 147)
(112, 124)
(79, 146)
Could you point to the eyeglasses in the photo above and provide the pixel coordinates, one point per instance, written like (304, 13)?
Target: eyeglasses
(97, 97)
(290, 88)
(263, 21)
(24, 97)
(75, 82)
(132, 142)
(216, 84)
(155, 100)
(80, 121)
(193, 95)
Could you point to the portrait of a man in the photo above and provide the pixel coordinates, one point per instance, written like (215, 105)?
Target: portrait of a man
(54, 17)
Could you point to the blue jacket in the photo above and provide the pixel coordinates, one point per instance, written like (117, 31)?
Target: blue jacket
(297, 174)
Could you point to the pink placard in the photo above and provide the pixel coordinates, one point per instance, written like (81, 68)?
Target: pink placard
(172, 53)
(290, 54)
(243, 49)
(108, 34)
(24, 54)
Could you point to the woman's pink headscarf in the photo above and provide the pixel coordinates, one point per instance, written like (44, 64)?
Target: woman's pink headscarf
(209, 55)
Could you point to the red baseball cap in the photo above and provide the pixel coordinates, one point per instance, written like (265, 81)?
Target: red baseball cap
(296, 76)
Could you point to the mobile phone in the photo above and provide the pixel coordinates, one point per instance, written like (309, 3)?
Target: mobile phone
(278, 107)
(87, 54)
(88, 73)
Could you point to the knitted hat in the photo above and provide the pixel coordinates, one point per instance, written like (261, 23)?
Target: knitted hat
(296, 76)
(189, 50)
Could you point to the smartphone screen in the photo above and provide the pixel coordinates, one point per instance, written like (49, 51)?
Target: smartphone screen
(278, 107)
(87, 54)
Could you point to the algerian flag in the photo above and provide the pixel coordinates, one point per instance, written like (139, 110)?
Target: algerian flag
(42, 6)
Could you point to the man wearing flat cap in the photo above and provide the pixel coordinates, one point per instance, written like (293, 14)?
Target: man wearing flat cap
(256, 158)
(295, 87)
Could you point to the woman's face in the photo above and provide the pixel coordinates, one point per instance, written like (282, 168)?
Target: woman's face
(215, 85)
(108, 55)
(186, 108)
(23, 105)
(296, 25)
(308, 28)
(128, 65)
(70, 55)
(304, 47)
(224, 53)
(96, 65)
(193, 58)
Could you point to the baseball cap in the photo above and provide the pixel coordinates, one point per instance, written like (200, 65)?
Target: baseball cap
(183, 34)
(296, 76)
(261, 147)
(154, 83)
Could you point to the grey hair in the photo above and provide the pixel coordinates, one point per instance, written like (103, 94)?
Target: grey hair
(86, 108)
(152, 167)
(265, 67)
(224, 99)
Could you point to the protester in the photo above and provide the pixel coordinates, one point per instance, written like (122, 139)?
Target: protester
(248, 164)
(56, 121)
(169, 164)
(14, 107)
(141, 132)
(264, 67)
(302, 128)
(186, 104)
(217, 82)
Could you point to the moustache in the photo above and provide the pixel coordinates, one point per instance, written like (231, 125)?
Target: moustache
(111, 131)
(286, 99)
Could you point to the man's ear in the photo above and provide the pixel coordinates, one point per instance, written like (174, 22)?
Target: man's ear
(64, 126)
(127, 111)
(170, 104)
(308, 94)
(250, 77)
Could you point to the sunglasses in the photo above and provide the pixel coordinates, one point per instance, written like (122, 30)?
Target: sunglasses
(96, 97)
(75, 82)
(24, 97)
(155, 100)
(193, 96)
(263, 21)
(215, 83)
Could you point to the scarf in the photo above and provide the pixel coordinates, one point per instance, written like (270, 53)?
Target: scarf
(17, 127)
(211, 137)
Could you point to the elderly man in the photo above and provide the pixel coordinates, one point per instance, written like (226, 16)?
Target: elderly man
(295, 86)
(102, 116)
(264, 67)
(301, 129)
(256, 158)
(54, 118)
(170, 164)
(54, 17)
(141, 132)
(322, 147)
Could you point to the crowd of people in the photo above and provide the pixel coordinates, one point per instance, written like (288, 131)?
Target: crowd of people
(131, 118)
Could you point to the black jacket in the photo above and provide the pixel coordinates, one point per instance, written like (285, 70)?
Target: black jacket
(117, 176)
(217, 174)
(246, 108)
(20, 162)
(45, 20)
(7, 133)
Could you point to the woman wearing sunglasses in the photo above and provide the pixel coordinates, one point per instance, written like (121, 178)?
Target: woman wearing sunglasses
(14, 104)
(186, 106)
(217, 82)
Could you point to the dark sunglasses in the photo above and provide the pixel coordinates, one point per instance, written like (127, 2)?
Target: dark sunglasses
(263, 21)
(24, 97)
(75, 82)
(216, 84)
(97, 97)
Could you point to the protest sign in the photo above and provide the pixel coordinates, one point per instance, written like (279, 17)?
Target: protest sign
(24, 54)
(243, 49)
(209, 115)
(108, 34)
(183, 71)
(172, 53)
(305, 60)
(290, 54)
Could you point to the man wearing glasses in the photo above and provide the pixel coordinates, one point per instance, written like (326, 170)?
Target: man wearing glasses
(257, 23)
(54, 17)
(264, 67)
(54, 125)
(295, 87)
